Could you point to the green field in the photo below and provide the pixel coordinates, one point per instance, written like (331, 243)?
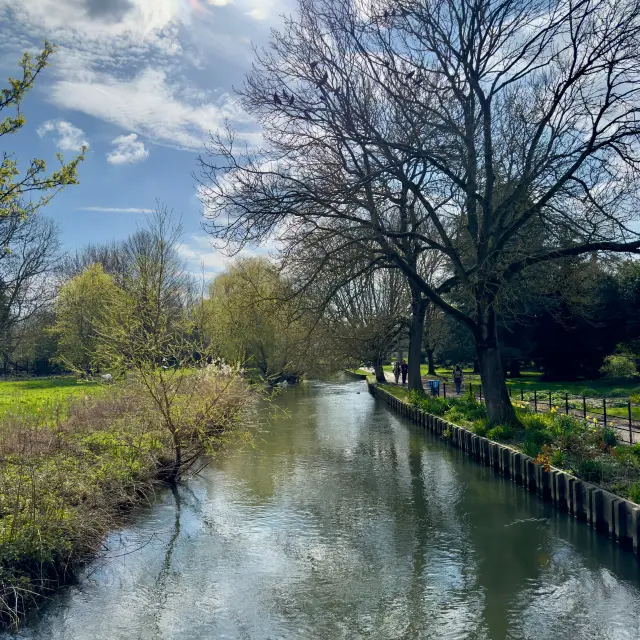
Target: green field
(46, 396)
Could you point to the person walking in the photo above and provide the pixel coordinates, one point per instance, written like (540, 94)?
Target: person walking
(457, 377)
(404, 367)
(396, 371)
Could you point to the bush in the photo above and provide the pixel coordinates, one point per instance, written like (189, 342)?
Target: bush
(536, 421)
(590, 470)
(609, 437)
(619, 366)
(71, 477)
(429, 404)
(531, 447)
(634, 492)
(468, 409)
(500, 432)
(480, 428)
(558, 458)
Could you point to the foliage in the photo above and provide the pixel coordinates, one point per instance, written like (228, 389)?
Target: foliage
(248, 319)
(583, 447)
(81, 309)
(619, 366)
(429, 404)
(500, 432)
(17, 191)
(634, 492)
(70, 471)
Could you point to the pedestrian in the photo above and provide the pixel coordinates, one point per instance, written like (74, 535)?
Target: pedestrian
(404, 367)
(457, 378)
(396, 371)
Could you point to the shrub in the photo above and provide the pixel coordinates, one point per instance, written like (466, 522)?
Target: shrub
(558, 458)
(469, 409)
(635, 450)
(634, 492)
(618, 366)
(609, 437)
(531, 447)
(500, 432)
(429, 404)
(588, 392)
(480, 428)
(590, 470)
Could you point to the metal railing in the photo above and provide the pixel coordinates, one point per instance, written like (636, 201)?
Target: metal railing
(616, 413)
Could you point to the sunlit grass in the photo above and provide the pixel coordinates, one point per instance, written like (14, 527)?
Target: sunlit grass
(48, 397)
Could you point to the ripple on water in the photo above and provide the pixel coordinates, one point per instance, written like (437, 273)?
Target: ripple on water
(348, 522)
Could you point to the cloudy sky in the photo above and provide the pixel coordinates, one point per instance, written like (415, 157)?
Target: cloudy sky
(141, 83)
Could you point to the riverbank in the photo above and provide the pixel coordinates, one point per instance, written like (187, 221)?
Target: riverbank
(72, 470)
(606, 512)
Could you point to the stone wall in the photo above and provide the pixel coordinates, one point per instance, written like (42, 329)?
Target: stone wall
(615, 517)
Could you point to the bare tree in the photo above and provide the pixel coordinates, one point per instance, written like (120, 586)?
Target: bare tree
(501, 118)
(366, 316)
(29, 253)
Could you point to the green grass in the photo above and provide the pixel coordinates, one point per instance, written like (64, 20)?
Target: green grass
(532, 380)
(46, 396)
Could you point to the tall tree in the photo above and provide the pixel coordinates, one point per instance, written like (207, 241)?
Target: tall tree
(82, 308)
(251, 320)
(448, 100)
(366, 317)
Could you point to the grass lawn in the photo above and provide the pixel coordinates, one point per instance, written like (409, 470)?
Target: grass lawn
(48, 396)
(530, 381)
(360, 372)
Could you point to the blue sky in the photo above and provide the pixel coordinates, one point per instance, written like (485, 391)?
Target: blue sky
(141, 82)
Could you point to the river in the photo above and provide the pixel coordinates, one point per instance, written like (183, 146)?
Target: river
(346, 521)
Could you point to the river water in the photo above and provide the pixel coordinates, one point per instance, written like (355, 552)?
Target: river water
(346, 521)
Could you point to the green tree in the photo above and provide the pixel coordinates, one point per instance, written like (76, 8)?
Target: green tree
(251, 320)
(17, 189)
(81, 311)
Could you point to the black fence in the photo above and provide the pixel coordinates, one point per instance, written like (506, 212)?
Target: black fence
(616, 413)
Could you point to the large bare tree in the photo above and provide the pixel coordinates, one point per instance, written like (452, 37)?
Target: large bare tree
(513, 123)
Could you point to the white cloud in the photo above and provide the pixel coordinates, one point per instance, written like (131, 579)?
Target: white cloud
(115, 210)
(128, 149)
(68, 137)
(198, 251)
(151, 105)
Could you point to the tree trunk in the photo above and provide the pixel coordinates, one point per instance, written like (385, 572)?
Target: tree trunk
(494, 387)
(377, 367)
(416, 332)
(515, 369)
(432, 366)
(174, 474)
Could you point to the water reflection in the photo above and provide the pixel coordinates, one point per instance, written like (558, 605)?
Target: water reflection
(347, 522)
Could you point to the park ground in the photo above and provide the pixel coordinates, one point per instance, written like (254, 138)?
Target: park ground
(533, 380)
